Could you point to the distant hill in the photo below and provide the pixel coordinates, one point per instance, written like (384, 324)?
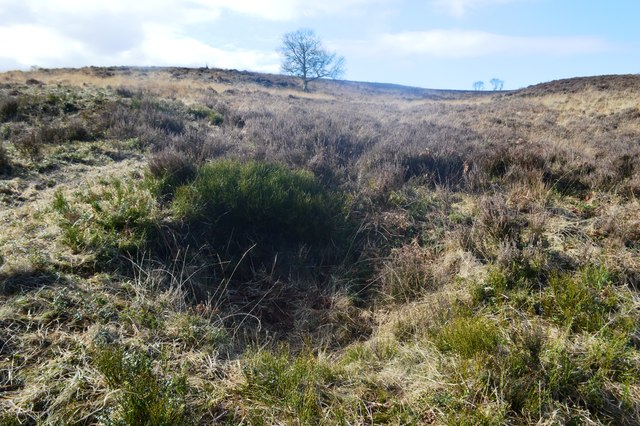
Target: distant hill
(603, 83)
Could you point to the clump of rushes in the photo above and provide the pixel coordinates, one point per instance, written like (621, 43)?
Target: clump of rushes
(469, 335)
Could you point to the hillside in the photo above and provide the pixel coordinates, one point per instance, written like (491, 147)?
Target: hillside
(202, 246)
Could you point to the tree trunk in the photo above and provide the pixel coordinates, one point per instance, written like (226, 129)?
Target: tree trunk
(304, 85)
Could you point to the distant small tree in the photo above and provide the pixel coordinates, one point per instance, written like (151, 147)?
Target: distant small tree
(478, 85)
(304, 57)
(497, 83)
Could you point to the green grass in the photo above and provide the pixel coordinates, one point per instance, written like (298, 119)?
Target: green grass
(469, 336)
(291, 388)
(205, 113)
(145, 398)
(117, 218)
(587, 301)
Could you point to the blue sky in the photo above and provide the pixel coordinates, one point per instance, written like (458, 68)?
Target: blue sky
(445, 44)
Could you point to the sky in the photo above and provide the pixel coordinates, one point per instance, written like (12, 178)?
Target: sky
(441, 44)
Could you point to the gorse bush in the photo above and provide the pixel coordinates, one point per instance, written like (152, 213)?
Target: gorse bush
(261, 201)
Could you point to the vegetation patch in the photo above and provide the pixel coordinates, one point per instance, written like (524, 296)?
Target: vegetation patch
(8, 108)
(264, 202)
(294, 387)
(5, 161)
(117, 218)
(144, 396)
(586, 302)
(469, 336)
(446, 257)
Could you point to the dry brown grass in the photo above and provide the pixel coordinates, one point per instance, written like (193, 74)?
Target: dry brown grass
(479, 226)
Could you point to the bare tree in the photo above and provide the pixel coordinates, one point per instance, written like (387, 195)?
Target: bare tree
(497, 83)
(304, 57)
(478, 85)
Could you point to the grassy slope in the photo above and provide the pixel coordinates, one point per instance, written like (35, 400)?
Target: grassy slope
(483, 267)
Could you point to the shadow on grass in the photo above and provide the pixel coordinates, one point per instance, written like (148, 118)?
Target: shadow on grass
(28, 280)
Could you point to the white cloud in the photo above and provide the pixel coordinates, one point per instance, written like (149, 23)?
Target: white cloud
(285, 10)
(159, 45)
(181, 11)
(56, 33)
(162, 46)
(459, 8)
(472, 44)
(52, 33)
(32, 45)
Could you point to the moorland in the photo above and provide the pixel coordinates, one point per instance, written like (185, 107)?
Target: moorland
(203, 246)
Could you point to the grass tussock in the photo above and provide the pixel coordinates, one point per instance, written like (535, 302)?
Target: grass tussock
(143, 396)
(117, 218)
(199, 246)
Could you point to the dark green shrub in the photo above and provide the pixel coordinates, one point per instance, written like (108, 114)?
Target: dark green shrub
(215, 118)
(199, 112)
(203, 112)
(260, 201)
